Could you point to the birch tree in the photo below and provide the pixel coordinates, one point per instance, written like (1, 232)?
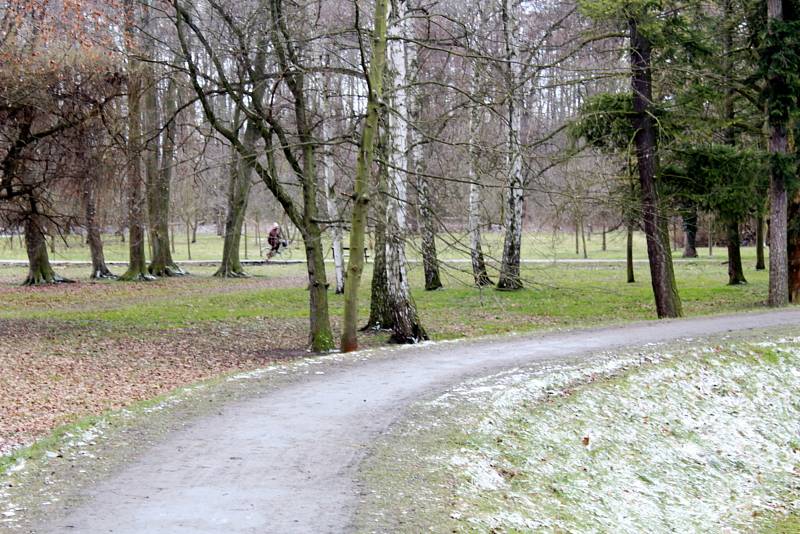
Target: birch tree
(329, 186)
(416, 165)
(510, 278)
(406, 327)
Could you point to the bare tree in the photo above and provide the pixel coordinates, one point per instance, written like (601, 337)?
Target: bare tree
(406, 327)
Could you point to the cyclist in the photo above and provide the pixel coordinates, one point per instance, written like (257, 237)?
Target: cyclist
(275, 240)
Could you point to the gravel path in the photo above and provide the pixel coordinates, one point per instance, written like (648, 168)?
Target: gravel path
(287, 461)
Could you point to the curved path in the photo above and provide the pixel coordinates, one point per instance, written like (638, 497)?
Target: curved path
(286, 461)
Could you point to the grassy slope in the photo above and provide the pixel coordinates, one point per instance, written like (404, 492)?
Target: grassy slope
(693, 439)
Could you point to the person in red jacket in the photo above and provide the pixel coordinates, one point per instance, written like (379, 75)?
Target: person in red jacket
(274, 240)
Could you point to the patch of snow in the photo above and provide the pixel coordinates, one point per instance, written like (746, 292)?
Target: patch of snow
(618, 443)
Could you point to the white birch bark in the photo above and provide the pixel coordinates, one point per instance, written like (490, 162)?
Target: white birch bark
(329, 189)
(514, 195)
(475, 191)
(416, 165)
(406, 328)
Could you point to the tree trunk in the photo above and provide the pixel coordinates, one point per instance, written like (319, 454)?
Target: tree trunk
(358, 227)
(380, 312)
(137, 264)
(690, 230)
(159, 178)
(406, 327)
(427, 222)
(735, 269)
(604, 245)
(244, 236)
(583, 241)
(577, 226)
(39, 269)
(238, 193)
(93, 237)
(430, 261)
(629, 254)
(510, 278)
(710, 234)
(320, 334)
(760, 264)
(793, 255)
(299, 153)
(479, 273)
(778, 199)
(329, 189)
(188, 242)
(668, 303)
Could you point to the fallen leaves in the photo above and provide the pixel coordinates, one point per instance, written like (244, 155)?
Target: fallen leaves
(53, 371)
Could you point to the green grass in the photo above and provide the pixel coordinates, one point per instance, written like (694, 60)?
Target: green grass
(453, 245)
(781, 524)
(555, 296)
(37, 450)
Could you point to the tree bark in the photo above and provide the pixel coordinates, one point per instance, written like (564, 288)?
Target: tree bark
(188, 241)
(778, 196)
(778, 239)
(583, 240)
(331, 204)
(510, 278)
(159, 176)
(361, 199)
(711, 234)
(760, 263)
(629, 254)
(238, 194)
(479, 273)
(427, 221)
(406, 327)
(577, 225)
(380, 311)
(604, 246)
(793, 250)
(690, 230)
(39, 269)
(93, 237)
(665, 291)
(430, 261)
(735, 269)
(137, 265)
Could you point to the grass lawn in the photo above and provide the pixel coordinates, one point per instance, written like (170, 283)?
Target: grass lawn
(74, 350)
(455, 245)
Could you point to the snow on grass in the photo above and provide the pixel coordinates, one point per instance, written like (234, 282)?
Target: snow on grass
(705, 441)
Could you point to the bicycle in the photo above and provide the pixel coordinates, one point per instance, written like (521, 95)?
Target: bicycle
(284, 252)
